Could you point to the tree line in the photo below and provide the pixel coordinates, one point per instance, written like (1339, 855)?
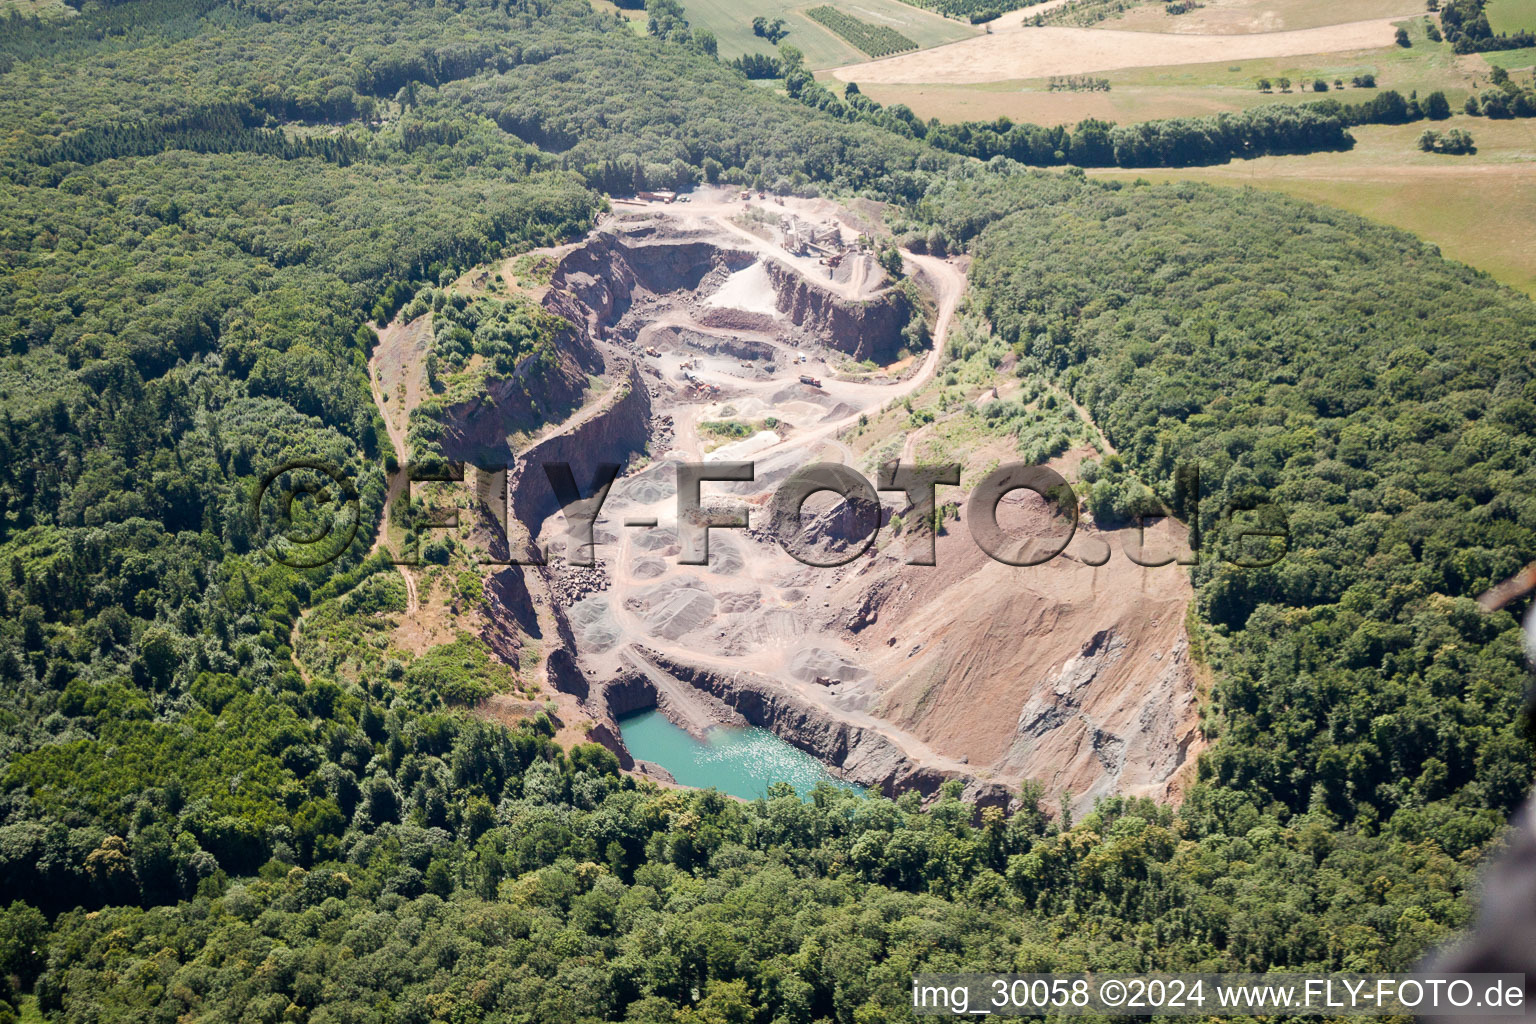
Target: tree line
(1466, 28)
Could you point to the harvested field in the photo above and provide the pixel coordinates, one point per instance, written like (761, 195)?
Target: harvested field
(1245, 17)
(1022, 102)
(1041, 52)
(1197, 90)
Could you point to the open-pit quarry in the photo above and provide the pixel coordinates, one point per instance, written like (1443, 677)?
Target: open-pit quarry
(721, 328)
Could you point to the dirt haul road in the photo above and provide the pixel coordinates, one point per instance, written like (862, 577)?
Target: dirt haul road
(396, 359)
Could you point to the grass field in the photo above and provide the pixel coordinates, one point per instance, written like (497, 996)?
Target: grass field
(1192, 90)
(1511, 15)
(1512, 60)
(1478, 209)
(731, 22)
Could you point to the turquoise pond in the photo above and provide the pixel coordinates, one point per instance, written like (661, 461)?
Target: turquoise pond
(741, 762)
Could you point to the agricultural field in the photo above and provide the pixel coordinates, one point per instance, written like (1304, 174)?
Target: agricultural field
(1244, 17)
(1030, 52)
(731, 22)
(1199, 89)
(964, 10)
(1478, 208)
(1031, 101)
(1511, 15)
(874, 40)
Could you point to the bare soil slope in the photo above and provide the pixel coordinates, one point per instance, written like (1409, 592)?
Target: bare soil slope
(1074, 675)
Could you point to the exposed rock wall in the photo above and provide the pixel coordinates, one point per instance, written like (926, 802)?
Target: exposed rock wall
(722, 318)
(610, 435)
(868, 329)
(604, 273)
(541, 390)
(595, 284)
(564, 674)
(741, 348)
(508, 605)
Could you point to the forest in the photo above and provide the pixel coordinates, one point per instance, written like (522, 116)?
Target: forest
(1393, 439)
(210, 207)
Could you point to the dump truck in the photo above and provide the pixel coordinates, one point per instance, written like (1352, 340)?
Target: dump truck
(806, 378)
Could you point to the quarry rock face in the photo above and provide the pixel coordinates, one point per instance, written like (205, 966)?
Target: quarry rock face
(597, 282)
(509, 604)
(611, 434)
(869, 329)
(605, 273)
(539, 390)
